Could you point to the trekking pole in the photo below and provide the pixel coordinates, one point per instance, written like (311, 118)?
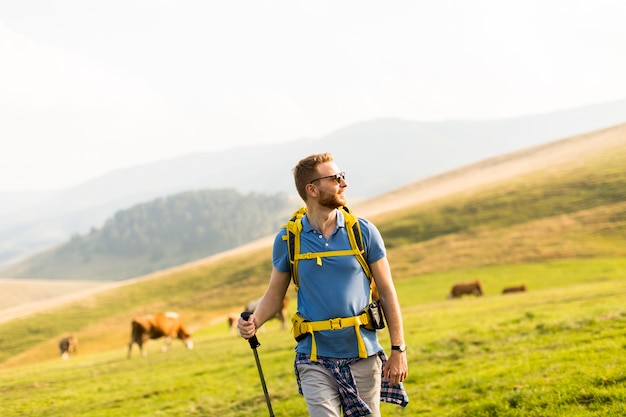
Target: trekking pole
(254, 343)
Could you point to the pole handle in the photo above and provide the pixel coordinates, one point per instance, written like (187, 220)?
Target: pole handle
(254, 342)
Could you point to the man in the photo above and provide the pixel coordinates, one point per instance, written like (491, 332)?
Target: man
(345, 367)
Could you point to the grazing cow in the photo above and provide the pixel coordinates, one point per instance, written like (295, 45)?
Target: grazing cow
(519, 288)
(168, 325)
(232, 321)
(281, 314)
(466, 288)
(68, 345)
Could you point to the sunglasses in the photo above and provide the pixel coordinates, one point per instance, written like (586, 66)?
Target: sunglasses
(337, 177)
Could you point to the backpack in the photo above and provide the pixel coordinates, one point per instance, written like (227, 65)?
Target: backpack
(371, 318)
(353, 228)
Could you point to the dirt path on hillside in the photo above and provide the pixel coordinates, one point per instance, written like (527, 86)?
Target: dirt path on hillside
(37, 306)
(465, 178)
(495, 170)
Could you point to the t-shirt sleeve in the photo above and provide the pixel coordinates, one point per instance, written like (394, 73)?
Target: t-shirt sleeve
(374, 243)
(280, 256)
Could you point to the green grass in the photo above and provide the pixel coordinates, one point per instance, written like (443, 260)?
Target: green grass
(550, 352)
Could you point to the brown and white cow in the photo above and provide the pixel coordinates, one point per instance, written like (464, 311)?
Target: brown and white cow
(466, 288)
(155, 326)
(281, 314)
(68, 345)
(519, 288)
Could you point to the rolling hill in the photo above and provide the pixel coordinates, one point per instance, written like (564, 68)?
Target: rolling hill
(402, 152)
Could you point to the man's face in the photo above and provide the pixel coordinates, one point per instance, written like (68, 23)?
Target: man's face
(331, 192)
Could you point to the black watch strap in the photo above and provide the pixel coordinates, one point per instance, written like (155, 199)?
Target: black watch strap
(401, 348)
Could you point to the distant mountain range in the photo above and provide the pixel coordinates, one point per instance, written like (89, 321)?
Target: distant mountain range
(377, 155)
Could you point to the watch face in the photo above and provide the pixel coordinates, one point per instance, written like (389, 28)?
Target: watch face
(401, 348)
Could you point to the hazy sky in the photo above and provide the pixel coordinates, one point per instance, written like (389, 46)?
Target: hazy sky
(87, 87)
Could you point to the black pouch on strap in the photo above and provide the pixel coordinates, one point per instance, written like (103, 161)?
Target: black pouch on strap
(377, 320)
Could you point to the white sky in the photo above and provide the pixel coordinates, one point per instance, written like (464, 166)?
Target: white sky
(89, 86)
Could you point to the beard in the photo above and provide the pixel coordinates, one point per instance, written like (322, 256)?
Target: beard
(331, 200)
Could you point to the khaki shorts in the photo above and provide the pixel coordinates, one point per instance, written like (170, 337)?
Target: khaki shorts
(321, 393)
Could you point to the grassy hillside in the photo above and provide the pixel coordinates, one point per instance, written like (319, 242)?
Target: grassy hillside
(571, 211)
(552, 353)
(557, 350)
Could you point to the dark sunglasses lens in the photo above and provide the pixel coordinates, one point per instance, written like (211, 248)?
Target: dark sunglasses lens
(339, 177)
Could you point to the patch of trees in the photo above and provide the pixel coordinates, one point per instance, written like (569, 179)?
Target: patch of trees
(184, 227)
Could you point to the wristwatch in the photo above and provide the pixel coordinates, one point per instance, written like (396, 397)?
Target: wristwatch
(401, 348)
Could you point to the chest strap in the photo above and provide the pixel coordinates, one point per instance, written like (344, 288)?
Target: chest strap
(302, 328)
(319, 255)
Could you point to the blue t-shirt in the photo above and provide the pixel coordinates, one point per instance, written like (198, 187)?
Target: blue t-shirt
(337, 288)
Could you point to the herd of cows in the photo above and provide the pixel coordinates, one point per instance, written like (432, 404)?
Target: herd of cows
(143, 328)
(476, 288)
(170, 326)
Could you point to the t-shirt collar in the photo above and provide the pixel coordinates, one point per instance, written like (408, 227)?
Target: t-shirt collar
(306, 226)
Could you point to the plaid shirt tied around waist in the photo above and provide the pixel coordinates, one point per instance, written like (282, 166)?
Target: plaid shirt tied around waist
(353, 405)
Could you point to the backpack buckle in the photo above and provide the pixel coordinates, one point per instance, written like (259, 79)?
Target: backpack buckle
(335, 324)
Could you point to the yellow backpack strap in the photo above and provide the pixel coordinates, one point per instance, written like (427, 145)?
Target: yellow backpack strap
(356, 241)
(302, 328)
(294, 228)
